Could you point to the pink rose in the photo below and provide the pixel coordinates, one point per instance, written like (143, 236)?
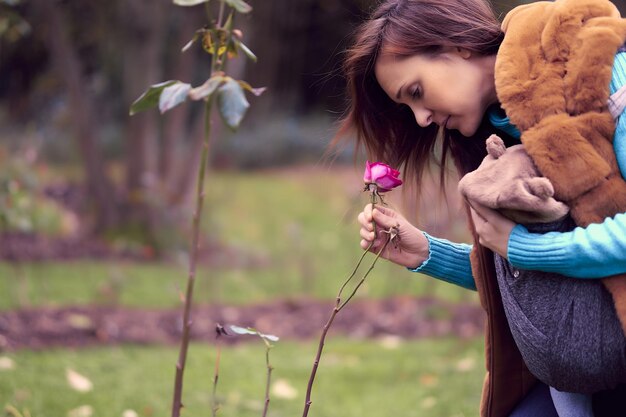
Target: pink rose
(385, 177)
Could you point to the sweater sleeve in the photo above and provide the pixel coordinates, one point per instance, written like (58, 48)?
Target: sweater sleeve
(597, 251)
(448, 261)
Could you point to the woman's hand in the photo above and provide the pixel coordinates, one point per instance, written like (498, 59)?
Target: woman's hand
(411, 248)
(493, 229)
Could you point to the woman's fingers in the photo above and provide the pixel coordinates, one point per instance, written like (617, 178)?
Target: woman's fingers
(492, 228)
(367, 234)
(365, 221)
(383, 218)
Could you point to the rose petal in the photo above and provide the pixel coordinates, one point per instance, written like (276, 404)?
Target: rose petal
(385, 177)
(367, 176)
(388, 183)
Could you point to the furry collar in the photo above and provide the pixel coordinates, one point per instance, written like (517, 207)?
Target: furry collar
(552, 79)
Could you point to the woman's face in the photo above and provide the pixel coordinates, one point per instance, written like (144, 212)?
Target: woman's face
(451, 89)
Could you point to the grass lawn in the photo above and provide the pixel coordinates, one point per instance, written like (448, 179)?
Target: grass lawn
(356, 378)
(157, 285)
(292, 233)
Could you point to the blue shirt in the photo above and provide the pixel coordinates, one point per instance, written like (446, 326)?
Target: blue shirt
(597, 251)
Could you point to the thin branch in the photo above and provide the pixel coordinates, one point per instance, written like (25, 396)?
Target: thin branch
(336, 310)
(269, 377)
(216, 375)
(184, 344)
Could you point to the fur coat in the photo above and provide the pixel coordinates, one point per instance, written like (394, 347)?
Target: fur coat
(552, 78)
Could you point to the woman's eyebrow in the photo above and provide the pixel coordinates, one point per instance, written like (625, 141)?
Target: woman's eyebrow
(399, 93)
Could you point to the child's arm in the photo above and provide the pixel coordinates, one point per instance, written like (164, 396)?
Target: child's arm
(597, 251)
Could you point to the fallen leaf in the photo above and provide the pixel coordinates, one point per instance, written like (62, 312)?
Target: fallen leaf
(283, 389)
(82, 411)
(77, 381)
(465, 365)
(390, 342)
(429, 380)
(6, 363)
(429, 402)
(79, 321)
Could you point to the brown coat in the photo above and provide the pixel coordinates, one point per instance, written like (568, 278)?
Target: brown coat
(552, 75)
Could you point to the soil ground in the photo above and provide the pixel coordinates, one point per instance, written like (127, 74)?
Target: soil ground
(404, 317)
(41, 328)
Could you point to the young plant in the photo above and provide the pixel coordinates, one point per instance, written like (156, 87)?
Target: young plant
(379, 178)
(267, 339)
(221, 41)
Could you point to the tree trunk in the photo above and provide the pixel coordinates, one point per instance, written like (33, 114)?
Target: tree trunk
(142, 27)
(66, 64)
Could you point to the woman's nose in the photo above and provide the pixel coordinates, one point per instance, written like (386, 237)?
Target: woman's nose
(423, 117)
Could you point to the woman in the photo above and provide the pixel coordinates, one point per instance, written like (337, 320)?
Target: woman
(421, 66)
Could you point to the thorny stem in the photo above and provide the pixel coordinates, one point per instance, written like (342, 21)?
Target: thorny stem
(336, 310)
(220, 16)
(373, 188)
(214, 405)
(184, 344)
(354, 270)
(269, 377)
(373, 195)
(356, 288)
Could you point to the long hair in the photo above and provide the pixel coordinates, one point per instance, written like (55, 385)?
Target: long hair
(388, 130)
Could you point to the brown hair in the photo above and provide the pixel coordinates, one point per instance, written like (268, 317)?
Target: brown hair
(388, 130)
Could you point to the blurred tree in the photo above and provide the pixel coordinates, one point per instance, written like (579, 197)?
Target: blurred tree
(48, 18)
(305, 74)
(103, 54)
(126, 42)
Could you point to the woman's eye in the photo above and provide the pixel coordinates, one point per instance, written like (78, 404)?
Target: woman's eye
(416, 93)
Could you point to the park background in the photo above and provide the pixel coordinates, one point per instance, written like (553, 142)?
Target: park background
(95, 210)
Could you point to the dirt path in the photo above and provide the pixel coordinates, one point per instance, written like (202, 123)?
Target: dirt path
(405, 317)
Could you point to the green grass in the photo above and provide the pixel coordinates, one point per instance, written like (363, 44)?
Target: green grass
(356, 378)
(292, 234)
(158, 285)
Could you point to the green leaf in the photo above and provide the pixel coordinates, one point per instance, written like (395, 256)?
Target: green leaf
(242, 330)
(189, 2)
(239, 5)
(256, 91)
(246, 50)
(173, 95)
(228, 26)
(150, 98)
(269, 337)
(206, 89)
(190, 43)
(232, 102)
(248, 330)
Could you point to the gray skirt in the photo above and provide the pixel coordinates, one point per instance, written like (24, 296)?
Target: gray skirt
(566, 329)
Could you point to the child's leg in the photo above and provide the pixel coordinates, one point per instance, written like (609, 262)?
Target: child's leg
(570, 404)
(537, 403)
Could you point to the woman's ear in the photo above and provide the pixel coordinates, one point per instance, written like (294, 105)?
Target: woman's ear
(457, 50)
(463, 53)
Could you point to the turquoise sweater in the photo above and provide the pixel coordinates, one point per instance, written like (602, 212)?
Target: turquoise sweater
(596, 251)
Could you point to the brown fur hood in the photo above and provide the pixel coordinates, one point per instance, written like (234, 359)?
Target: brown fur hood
(552, 79)
(552, 75)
